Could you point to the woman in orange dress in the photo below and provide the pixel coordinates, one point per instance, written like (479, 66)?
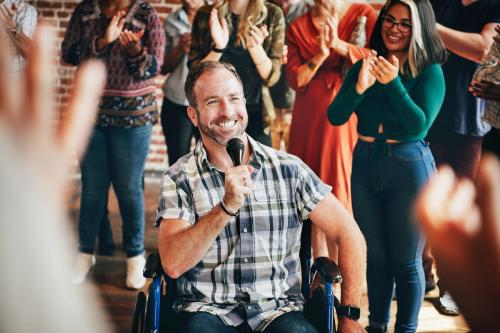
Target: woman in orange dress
(316, 53)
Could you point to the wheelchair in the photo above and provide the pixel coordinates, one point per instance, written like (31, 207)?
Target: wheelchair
(154, 312)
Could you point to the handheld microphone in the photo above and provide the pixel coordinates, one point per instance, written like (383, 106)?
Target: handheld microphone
(235, 148)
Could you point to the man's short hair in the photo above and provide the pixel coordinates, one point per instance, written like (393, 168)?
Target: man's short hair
(198, 70)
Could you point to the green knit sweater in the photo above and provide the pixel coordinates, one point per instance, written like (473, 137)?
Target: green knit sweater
(406, 107)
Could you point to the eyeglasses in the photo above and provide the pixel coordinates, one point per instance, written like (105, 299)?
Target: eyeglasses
(388, 22)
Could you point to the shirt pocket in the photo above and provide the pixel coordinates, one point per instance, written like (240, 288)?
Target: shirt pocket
(263, 194)
(202, 203)
(273, 204)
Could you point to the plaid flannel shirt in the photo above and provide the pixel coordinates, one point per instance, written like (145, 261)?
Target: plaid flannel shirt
(253, 273)
(25, 17)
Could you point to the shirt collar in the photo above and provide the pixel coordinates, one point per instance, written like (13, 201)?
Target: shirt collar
(256, 159)
(182, 15)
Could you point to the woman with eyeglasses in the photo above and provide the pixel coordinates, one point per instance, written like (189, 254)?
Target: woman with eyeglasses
(396, 96)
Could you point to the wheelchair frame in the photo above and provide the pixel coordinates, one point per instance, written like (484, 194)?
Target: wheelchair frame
(147, 312)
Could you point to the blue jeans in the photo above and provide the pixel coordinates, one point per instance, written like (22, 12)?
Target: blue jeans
(385, 181)
(114, 156)
(290, 322)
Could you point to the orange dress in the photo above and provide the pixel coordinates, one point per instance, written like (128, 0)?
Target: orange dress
(325, 148)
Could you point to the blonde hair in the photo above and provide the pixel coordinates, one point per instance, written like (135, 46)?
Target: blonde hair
(416, 51)
(255, 14)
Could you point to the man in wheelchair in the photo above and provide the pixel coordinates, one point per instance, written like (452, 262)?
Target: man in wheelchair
(230, 234)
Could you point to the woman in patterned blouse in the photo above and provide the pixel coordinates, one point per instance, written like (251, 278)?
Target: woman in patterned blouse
(128, 37)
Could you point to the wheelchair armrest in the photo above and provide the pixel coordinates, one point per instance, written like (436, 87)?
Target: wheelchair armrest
(327, 269)
(153, 266)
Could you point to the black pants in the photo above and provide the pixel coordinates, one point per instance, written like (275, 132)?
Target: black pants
(255, 126)
(178, 130)
(491, 142)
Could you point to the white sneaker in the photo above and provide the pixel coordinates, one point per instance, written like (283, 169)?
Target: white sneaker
(135, 266)
(83, 264)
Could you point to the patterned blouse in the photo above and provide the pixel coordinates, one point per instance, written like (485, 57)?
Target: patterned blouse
(129, 97)
(252, 270)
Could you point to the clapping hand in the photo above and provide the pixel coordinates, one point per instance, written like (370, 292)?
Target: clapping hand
(384, 70)
(115, 27)
(218, 30)
(328, 35)
(256, 36)
(131, 41)
(332, 24)
(365, 77)
(324, 41)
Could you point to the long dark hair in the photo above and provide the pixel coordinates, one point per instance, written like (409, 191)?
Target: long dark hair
(426, 47)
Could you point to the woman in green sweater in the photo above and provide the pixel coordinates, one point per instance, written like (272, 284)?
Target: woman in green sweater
(396, 96)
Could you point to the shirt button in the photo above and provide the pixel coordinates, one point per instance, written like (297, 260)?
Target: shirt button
(245, 229)
(245, 259)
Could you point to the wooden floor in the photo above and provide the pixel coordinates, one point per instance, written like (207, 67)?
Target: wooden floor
(109, 273)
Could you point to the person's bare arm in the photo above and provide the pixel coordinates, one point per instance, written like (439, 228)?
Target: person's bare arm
(338, 225)
(471, 46)
(183, 245)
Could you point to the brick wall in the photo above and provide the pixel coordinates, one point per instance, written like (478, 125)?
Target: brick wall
(58, 13)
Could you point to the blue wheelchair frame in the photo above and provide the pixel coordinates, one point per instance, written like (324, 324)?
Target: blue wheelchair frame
(147, 313)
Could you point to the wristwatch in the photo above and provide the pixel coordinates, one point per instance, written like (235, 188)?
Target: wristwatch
(350, 311)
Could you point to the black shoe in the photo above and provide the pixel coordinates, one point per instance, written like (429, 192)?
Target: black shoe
(372, 329)
(430, 285)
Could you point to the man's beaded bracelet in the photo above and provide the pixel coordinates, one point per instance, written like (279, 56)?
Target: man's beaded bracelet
(227, 211)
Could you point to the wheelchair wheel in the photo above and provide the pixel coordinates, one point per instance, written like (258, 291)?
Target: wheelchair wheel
(139, 310)
(316, 310)
(148, 317)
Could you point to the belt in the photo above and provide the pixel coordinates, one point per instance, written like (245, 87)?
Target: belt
(371, 139)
